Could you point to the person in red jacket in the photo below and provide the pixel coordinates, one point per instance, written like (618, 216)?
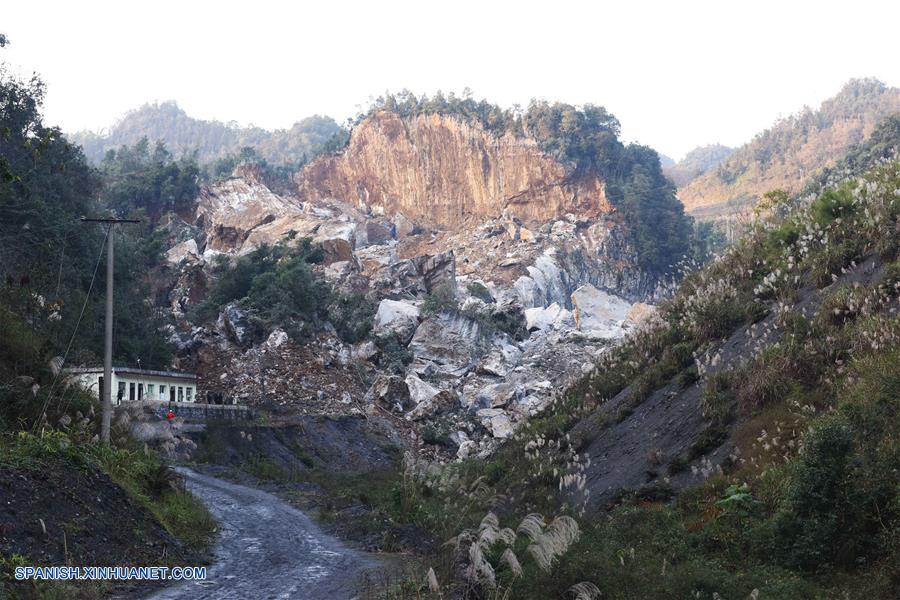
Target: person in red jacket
(170, 416)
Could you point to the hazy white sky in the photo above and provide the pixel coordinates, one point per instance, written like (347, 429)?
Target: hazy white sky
(677, 74)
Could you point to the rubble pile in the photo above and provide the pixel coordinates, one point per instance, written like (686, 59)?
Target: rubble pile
(534, 302)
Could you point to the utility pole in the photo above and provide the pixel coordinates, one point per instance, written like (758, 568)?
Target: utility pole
(107, 347)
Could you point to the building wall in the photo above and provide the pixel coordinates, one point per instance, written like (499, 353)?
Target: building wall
(149, 387)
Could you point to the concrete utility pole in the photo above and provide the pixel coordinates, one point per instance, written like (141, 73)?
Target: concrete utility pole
(107, 346)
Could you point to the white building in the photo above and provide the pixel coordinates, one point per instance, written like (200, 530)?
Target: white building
(130, 384)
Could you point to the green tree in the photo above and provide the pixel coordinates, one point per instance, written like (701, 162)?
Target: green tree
(141, 177)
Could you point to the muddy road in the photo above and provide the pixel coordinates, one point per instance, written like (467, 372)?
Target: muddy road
(268, 549)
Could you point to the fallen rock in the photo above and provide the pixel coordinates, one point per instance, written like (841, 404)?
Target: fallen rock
(449, 341)
(390, 392)
(396, 317)
(550, 317)
(459, 437)
(443, 401)
(501, 360)
(377, 233)
(337, 241)
(233, 323)
(496, 395)
(466, 449)
(363, 350)
(185, 251)
(277, 338)
(640, 312)
(496, 421)
(595, 309)
(403, 226)
(420, 391)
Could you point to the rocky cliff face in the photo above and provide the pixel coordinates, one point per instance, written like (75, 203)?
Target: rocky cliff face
(438, 169)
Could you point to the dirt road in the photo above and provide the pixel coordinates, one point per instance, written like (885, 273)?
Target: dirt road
(267, 549)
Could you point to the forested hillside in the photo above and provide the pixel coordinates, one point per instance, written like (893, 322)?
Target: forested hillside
(697, 162)
(50, 279)
(53, 473)
(211, 140)
(791, 151)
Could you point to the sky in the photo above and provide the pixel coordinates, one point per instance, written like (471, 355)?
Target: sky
(677, 74)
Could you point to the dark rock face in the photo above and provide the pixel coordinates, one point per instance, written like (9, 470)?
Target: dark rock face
(233, 322)
(418, 275)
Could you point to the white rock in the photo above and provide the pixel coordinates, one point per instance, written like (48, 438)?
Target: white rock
(592, 304)
(496, 421)
(466, 449)
(394, 316)
(550, 317)
(458, 437)
(276, 338)
(420, 391)
(186, 250)
(501, 360)
(363, 350)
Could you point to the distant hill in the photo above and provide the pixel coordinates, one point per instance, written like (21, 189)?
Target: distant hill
(182, 134)
(793, 150)
(696, 162)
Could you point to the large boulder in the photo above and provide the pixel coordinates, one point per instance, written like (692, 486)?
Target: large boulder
(594, 309)
(549, 317)
(396, 317)
(449, 342)
(419, 275)
(420, 391)
(403, 226)
(337, 241)
(378, 233)
(501, 360)
(235, 325)
(496, 395)
(185, 251)
(428, 399)
(389, 392)
(496, 421)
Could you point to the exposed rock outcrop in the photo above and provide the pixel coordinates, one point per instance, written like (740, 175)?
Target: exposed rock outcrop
(438, 169)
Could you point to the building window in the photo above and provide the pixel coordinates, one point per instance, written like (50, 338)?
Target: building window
(121, 393)
(180, 394)
(131, 391)
(162, 392)
(140, 391)
(189, 392)
(150, 389)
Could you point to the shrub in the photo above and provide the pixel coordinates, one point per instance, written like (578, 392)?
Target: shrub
(478, 290)
(842, 305)
(766, 381)
(817, 526)
(832, 204)
(394, 354)
(441, 298)
(353, 316)
(688, 377)
(717, 398)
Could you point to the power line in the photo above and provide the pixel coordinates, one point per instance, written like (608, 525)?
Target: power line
(74, 331)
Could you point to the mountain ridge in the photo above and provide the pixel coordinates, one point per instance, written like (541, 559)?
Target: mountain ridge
(210, 138)
(793, 149)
